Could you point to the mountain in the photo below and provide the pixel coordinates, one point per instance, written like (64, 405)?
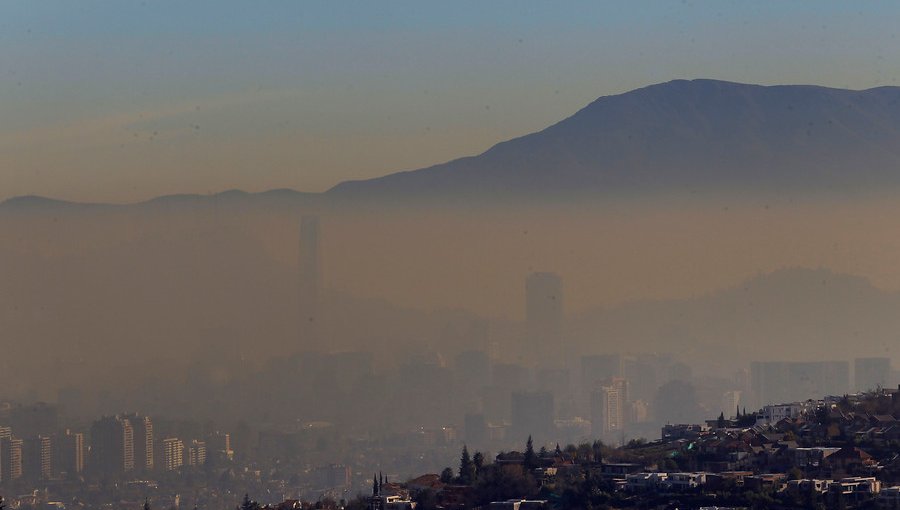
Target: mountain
(679, 137)
(183, 202)
(682, 137)
(800, 314)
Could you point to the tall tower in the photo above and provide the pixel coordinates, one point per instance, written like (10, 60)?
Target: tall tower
(173, 453)
(310, 280)
(609, 406)
(71, 453)
(142, 432)
(544, 320)
(112, 446)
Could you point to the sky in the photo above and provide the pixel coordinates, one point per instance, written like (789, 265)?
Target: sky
(121, 101)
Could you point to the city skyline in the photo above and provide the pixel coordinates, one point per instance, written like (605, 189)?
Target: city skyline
(403, 255)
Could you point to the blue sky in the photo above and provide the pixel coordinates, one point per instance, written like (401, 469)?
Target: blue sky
(124, 100)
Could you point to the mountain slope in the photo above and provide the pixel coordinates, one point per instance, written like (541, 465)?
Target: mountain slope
(682, 136)
(798, 314)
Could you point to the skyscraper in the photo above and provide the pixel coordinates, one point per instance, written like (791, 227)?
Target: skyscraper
(532, 415)
(609, 407)
(776, 382)
(70, 453)
(173, 453)
(112, 446)
(37, 458)
(142, 427)
(310, 283)
(597, 368)
(10, 458)
(544, 320)
(196, 455)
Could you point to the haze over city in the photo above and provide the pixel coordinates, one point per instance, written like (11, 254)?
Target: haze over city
(270, 250)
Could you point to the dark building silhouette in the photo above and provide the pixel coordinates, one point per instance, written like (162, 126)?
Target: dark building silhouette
(472, 370)
(69, 453)
(37, 455)
(112, 446)
(777, 382)
(871, 373)
(505, 378)
(476, 430)
(544, 320)
(609, 408)
(557, 381)
(532, 415)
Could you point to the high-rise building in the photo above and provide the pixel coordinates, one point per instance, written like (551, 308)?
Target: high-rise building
(472, 371)
(5, 435)
(10, 457)
(598, 368)
(173, 453)
(778, 382)
(37, 458)
(544, 320)
(476, 430)
(731, 400)
(532, 415)
(609, 407)
(70, 453)
(196, 456)
(220, 446)
(557, 382)
(112, 446)
(871, 373)
(310, 283)
(142, 427)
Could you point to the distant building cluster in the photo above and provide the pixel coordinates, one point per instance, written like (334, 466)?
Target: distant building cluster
(114, 447)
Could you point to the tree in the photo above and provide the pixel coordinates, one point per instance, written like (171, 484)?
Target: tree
(447, 475)
(466, 468)
(426, 500)
(357, 503)
(146, 503)
(530, 460)
(597, 451)
(478, 461)
(585, 453)
(248, 504)
(500, 482)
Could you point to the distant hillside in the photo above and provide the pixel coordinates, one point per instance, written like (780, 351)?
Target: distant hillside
(682, 137)
(796, 314)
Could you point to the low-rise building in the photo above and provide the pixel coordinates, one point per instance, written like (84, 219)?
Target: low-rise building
(680, 482)
(644, 482)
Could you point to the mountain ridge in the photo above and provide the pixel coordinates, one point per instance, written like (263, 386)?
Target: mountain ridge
(673, 137)
(772, 315)
(680, 136)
